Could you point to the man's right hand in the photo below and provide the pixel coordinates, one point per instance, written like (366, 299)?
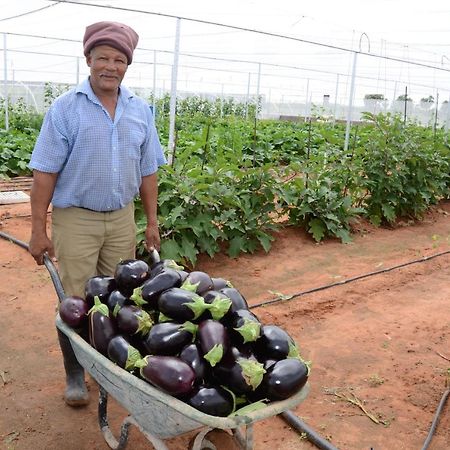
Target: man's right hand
(38, 246)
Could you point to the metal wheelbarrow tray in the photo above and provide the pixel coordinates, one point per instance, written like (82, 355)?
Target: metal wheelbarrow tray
(156, 414)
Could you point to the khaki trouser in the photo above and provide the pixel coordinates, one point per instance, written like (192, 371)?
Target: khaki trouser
(89, 243)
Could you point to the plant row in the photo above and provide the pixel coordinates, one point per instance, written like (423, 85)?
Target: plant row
(234, 181)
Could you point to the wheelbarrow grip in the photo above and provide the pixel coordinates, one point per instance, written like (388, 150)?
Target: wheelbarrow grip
(55, 277)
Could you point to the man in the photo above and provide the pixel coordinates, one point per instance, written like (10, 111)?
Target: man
(97, 150)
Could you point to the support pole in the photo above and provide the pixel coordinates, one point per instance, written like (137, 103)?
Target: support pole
(154, 84)
(258, 87)
(173, 94)
(350, 102)
(5, 82)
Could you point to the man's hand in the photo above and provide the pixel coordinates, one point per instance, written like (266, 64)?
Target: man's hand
(152, 239)
(38, 246)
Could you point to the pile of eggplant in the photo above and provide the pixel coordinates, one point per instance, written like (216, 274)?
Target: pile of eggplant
(189, 334)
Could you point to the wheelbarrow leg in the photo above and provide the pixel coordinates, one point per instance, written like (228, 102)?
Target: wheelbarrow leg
(120, 444)
(76, 393)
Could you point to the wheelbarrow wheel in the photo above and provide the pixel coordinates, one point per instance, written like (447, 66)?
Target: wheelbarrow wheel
(213, 440)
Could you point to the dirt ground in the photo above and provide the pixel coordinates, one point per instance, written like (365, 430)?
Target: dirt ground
(379, 345)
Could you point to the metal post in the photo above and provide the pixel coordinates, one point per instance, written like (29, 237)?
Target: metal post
(5, 80)
(307, 108)
(77, 78)
(173, 94)
(154, 83)
(350, 102)
(258, 85)
(336, 97)
(406, 104)
(248, 94)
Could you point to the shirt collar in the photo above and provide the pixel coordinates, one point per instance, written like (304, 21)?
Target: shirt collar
(85, 88)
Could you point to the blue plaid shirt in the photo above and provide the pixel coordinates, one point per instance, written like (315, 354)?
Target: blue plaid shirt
(100, 162)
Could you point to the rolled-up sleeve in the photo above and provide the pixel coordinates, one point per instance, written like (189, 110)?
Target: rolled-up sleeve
(52, 146)
(152, 152)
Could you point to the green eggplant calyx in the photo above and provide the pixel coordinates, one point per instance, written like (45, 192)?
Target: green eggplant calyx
(116, 310)
(214, 355)
(188, 286)
(133, 357)
(250, 331)
(163, 318)
(99, 307)
(219, 307)
(293, 351)
(197, 305)
(189, 326)
(136, 297)
(245, 410)
(233, 396)
(252, 371)
(145, 322)
(141, 363)
(173, 265)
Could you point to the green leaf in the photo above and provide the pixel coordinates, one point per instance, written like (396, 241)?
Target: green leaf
(265, 240)
(170, 249)
(236, 246)
(317, 229)
(389, 212)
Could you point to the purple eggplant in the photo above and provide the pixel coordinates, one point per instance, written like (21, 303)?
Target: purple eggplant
(102, 327)
(73, 311)
(130, 274)
(220, 283)
(168, 373)
(116, 300)
(198, 282)
(164, 264)
(212, 400)
(169, 338)
(275, 343)
(123, 353)
(237, 302)
(153, 287)
(99, 286)
(133, 320)
(240, 374)
(192, 355)
(245, 326)
(213, 340)
(283, 379)
(181, 305)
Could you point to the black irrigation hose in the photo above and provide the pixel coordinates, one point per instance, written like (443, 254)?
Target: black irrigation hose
(302, 427)
(436, 419)
(288, 416)
(284, 298)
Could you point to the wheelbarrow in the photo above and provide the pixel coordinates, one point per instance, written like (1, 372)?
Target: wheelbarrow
(157, 415)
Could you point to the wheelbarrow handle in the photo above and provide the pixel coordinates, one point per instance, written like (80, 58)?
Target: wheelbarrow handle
(55, 277)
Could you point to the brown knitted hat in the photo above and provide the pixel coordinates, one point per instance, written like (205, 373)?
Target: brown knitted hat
(114, 34)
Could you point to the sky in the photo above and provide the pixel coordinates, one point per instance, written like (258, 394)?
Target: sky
(227, 59)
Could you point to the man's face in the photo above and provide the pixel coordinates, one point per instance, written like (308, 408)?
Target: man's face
(108, 67)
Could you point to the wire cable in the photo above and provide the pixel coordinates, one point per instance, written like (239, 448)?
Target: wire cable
(28, 12)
